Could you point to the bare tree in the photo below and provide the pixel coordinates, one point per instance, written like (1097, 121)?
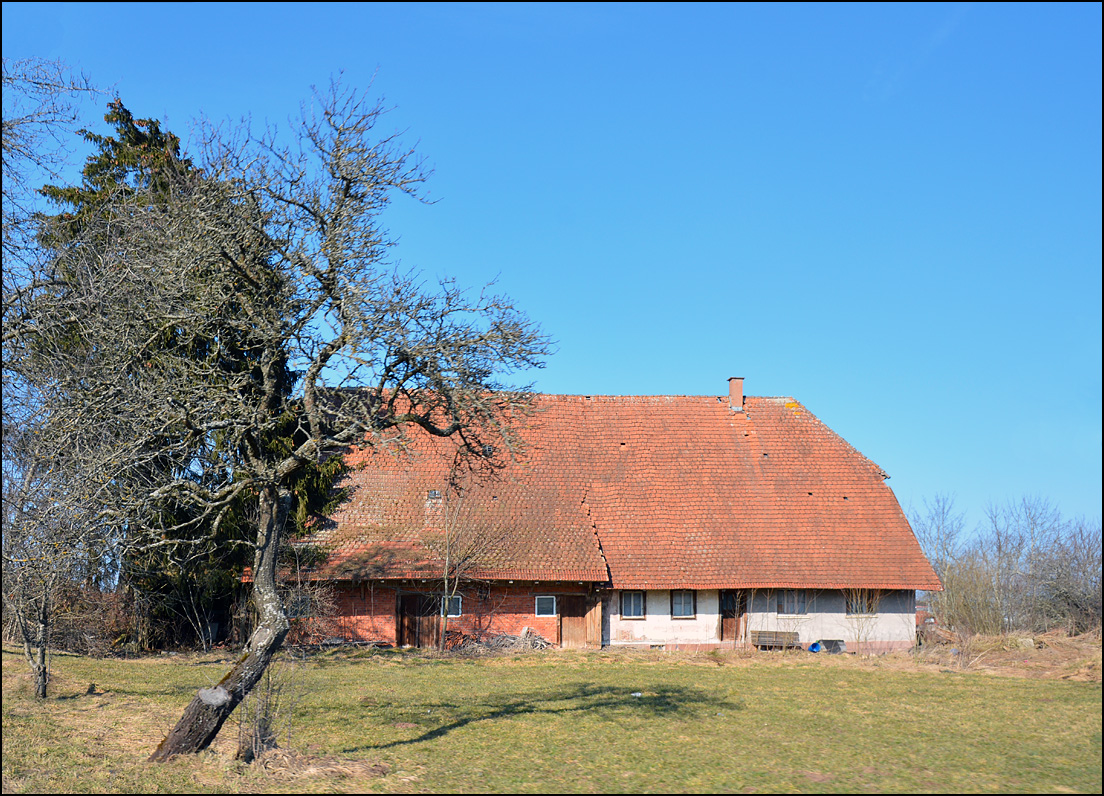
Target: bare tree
(1024, 570)
(940, 530)
(192, 593)
(242, 322)
(1074, 599)
(757, 620)
(40, 115)
(44, 549)
(861, 608)
(1017, 543)
(48, 533)
(469, 536)
(308, 600)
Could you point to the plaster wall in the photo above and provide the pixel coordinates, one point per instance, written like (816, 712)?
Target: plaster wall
(658, 626)
(891, 627)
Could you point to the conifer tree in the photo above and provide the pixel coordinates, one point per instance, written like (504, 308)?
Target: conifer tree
(210, 333)
(198, 576)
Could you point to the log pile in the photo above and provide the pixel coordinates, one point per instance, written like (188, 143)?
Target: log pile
(502, 644)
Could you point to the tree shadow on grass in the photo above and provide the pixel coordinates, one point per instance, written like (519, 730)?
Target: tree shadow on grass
(144, 691)
(603, 702)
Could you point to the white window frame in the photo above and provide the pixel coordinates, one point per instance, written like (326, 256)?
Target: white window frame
(537, 604)
(459, 605)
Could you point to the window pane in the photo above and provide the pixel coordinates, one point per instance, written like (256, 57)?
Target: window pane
(454, 606)
(632, 603)
(863, 601)
(791, 601)
(546, 605)
(682, 603)
(299, 607)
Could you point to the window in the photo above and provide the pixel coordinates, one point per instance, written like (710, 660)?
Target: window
(791, 601)
(863, 601)
(683, 603)
(632, 605)
(454, 606)
(546, 605)
(299, 606)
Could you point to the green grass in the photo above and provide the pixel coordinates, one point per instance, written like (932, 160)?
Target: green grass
(569, 722)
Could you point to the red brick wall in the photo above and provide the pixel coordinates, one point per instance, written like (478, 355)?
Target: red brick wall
(366, 612)
(362, 613)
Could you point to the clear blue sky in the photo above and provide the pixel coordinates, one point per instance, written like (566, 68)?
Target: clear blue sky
(891, 213)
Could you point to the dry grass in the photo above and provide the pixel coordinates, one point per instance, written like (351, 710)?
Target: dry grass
(1053, 655)
(570, 722)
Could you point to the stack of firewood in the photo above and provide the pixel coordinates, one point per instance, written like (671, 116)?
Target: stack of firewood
(502, 644)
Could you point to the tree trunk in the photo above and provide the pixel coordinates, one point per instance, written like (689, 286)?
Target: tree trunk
(41, 670)
(204, 717)
(37, 650)
(442, 610)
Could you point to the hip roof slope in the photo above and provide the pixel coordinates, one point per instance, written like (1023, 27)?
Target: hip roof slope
(679, 491)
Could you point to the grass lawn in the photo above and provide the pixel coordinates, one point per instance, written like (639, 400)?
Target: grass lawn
(392, 721)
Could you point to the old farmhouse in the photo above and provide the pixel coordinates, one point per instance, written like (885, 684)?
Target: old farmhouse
(661, 521)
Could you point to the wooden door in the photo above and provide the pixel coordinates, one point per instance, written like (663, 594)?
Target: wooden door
(573, 623)
(417, 621)
(594, 622)
(406, 631)
(733, 605)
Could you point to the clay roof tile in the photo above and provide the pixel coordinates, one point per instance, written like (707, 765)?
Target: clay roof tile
(663, 491)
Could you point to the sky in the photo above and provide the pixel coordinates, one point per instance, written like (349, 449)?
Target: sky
(891, 213)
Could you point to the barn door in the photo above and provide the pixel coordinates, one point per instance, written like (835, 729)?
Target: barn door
(417, 621)
(733, 607)
(573, 623)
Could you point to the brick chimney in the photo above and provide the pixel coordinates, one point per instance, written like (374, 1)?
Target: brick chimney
(736, 393)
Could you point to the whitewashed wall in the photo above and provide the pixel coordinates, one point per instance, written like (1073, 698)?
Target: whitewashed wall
(893, 627)
(658, 627)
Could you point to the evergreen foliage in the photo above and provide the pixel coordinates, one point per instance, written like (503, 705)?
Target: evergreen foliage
(197, 576)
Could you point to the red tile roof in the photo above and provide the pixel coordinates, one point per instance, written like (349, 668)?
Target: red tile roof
(667, 491)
